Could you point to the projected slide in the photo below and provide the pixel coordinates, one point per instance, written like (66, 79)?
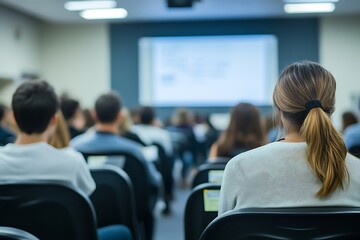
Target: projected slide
(207, 71)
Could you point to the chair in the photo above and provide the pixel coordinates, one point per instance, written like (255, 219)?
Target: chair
(145, 198)
(200, 211)
(48, 210)
(209, 173)
(165, 167)
(355, 150)
(8, 233)
(286, 223)
(114, 199)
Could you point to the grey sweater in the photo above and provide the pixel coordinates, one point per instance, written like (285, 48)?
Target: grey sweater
(278, 175)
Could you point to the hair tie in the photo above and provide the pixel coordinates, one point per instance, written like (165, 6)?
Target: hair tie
(313, 104)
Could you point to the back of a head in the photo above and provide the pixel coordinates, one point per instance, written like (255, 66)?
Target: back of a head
(34, 103)
(147, 115)
(349, 118)
(69, 107)
(245, 129)
(107, 107)
(182, 117)
(305, 96)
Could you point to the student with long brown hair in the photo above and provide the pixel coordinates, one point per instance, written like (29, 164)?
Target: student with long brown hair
(310, 165)
(244, 132)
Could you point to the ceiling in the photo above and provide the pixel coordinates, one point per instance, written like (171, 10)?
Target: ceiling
(156, 10)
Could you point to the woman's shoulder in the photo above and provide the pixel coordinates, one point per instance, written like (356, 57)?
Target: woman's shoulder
(353, 162)
(270, 152)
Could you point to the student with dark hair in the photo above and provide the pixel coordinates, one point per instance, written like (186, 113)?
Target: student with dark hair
(35, 107)
(352, 131)
(106, 139)
(6, 134)
(348, 119)
(73, 115)
(309, 166)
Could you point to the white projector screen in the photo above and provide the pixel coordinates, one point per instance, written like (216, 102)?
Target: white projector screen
(207, 71)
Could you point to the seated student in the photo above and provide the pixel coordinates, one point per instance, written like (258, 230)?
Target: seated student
(244, 132)
(182, 125)
(149, 133)
(106, 138)
(35, 107)
(352, 134)
(348, 119)
(73, 116)
(6, 134)
(310, 165)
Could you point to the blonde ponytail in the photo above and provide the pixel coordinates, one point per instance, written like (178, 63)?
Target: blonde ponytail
(305, 95)
(326, 151)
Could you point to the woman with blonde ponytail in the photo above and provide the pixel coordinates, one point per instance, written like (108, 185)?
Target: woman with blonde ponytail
(310, 165)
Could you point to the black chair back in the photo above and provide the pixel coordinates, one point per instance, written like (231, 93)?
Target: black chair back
(201, 209)
(50, 211)
(114, 199)
(8, 233)
(355, 150)
(144, 199)
(329, 223)
(209, 173)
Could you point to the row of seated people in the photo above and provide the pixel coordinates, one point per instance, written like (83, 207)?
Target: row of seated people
(36, 112)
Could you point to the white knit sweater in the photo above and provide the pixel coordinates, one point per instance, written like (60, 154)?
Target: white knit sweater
(278, 175)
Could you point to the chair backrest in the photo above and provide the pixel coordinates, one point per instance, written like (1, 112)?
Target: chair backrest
(50, 211)
(286, 223)
(209, 173)
(135, 169)
(201, 208)
(355, 150)
(114, 199)
(9, 233)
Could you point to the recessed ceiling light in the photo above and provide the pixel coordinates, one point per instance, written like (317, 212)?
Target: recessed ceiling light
(85, 5)
(114, 13)
(309, 8)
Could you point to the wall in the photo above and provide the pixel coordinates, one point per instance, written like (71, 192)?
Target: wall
(75, 59)
(19, 48)
(340, 53)
(297, 40)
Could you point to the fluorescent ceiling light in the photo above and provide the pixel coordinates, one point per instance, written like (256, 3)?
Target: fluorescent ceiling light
(114, 13)
(85, 5)
(309, 7)
(309, 1)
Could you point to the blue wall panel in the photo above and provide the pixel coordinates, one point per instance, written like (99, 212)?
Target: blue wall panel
(298, 39)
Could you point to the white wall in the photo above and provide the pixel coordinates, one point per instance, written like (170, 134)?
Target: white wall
(19, 48)
(75, 60)
(340, 53)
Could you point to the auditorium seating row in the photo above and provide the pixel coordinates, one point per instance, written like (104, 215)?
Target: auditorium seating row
(50, 210)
